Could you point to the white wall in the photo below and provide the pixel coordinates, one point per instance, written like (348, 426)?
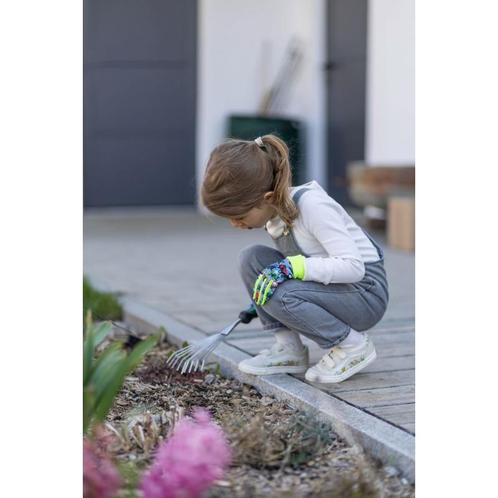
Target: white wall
(240, 50)
(390, 130)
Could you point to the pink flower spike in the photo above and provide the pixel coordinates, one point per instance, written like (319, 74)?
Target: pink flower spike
(201, 415)
(100, 477)
(189, 461)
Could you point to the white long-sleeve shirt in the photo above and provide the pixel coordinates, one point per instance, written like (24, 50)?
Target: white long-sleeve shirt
(337, 247)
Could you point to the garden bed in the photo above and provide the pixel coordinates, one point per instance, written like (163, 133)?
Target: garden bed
(277, 451)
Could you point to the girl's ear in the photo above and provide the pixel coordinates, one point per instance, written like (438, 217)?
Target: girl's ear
(268, 197)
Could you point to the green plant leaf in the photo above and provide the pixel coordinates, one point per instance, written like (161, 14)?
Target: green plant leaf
(93, 336)
(131, 472)
(141, 349)
(88, 407)
(116, 377)
(104, 367)
(88, 351)
(110, 389)
(101, 361)
(100, 332)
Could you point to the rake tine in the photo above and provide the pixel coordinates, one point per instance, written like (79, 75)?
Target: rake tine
(199, 351)
(188, 359)
(192, 364)
(209, 350)
(191, 367)
(212, 348)
(203, 358)
(172, 358)
(185, 366)
(181, 352)
(205, 352)
(187, 363)
(181, 356)
(175, 362)
(182, 362)
(206, 356)
(196, 366)
(179, 366)
(179, 363)
(186, 348)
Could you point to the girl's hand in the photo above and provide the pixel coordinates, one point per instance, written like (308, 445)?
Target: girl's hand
(273, 275)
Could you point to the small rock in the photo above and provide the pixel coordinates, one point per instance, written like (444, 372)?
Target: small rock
(223, 484)
(404, 481)
(229, 391)
(391, 471)
(209, 379)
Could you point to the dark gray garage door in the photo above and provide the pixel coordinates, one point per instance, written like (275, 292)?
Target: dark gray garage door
(346, 76)
(139, 102)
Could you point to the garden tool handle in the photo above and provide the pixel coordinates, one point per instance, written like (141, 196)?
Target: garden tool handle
(229, 329)
(248, 314)
(245, 316)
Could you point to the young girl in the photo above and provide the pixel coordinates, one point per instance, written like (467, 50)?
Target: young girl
(325, 279)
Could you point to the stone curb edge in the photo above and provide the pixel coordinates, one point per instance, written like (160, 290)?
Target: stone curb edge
(384, 441)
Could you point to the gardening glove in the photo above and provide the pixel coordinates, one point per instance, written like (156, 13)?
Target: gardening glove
(273, 275)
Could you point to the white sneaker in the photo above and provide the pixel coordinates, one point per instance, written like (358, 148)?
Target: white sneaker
(277, 359)
(341, 363)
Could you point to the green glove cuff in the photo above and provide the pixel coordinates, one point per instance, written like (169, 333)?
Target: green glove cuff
(297, 264)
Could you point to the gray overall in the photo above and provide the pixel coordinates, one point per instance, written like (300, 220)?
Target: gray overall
(324, 313)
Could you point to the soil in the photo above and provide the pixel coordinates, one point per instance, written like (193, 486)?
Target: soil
(278, 451)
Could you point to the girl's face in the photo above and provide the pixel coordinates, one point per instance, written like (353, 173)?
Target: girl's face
(255, 217)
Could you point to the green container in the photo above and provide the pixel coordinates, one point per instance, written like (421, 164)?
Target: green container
(246, 127)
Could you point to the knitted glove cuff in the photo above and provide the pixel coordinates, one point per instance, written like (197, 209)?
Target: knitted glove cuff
(297, 265)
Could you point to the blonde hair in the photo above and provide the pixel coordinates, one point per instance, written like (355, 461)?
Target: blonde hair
(240, 172)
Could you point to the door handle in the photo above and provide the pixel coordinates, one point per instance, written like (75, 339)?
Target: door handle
(330, 66)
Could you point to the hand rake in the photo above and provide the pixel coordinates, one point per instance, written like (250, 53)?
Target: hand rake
(187, 360)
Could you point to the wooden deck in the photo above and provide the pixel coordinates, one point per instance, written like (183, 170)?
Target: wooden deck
(386, 388)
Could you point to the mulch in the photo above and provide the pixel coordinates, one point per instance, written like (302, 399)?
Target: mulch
(278, 451)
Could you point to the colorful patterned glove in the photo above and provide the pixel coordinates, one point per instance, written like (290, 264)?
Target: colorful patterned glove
(272, 276)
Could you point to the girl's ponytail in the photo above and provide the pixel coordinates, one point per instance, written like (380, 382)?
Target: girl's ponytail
(240, 173)
(279, 153)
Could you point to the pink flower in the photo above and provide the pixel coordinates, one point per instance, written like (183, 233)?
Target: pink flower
(100, 477)
(188, 462)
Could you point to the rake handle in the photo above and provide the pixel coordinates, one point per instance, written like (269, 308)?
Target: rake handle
(248, 314)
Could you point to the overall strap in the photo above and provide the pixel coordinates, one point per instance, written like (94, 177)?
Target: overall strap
(375, 244)
(286, 243)
(297, 195)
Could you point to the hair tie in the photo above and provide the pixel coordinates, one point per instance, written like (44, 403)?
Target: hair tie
(259, 142)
